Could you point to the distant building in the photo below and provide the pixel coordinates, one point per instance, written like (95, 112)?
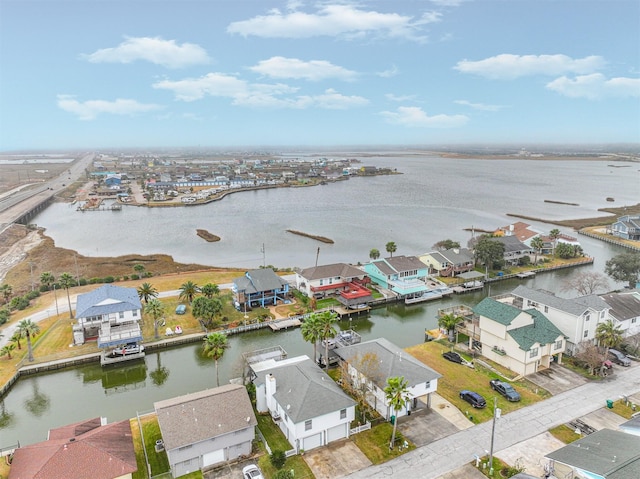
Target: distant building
(627, 227)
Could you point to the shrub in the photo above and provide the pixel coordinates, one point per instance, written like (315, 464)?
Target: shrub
(4, 317)
(278, 458)
(19, 303)
(44, 288)
(135, 276)
(125, 278)
(283, 474)
(109, 279)
(82, 282)
(32, 295)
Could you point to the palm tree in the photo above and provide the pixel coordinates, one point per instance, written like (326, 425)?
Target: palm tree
(6, 350)
(609, 335)
(554, 234)
(397, 394)
(326, 329)
(147, 292)
(391, 248)
(449, 322)
(537, 244)
(156, 309)
(67, 281)
(210, 290)
(215, 345)
(7, 290)
(188, 290)
(374, 254)
(28, 329)
(17, 336)
(47, 279)
(310, 330)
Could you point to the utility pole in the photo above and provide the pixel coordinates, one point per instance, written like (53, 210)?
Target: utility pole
(263, 261)
(55, 295)
(496, 415)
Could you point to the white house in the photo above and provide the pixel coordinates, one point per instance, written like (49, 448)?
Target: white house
(308, 406)
(625, 310)
(371, 363)
(347, 283)
(449, 262)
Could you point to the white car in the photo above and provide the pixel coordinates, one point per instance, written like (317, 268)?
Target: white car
(251, 472)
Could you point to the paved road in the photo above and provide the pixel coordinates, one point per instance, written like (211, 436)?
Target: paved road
(441, 457)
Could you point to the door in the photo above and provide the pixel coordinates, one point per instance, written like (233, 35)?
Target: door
(211, 458)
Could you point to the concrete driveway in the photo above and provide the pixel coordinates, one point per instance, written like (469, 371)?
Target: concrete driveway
(338, 459)
(557, 379)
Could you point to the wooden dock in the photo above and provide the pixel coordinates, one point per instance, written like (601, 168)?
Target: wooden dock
(285, 324)
(526, 274)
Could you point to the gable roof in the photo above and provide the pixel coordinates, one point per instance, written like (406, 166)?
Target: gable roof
(457, 255)
(81, 450)
(511, 244)
(623, 305)
(398, 264)
(337, 270)
(393, 362)
(499, 312)
(519, 230)
(107, 299)
(576, 306)
(258, 280)
(541, 331)
(199, 416)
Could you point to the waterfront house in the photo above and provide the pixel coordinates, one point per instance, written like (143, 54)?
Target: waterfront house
(307, 405)
(627, 227)
(577, 318)
(346, 283)
(523, 341)
(519, 230)
(111, 314)
(84, 449)
(448, 262)
(371, 363)
(514, 249)
(259, 287)
(403, 275)
(206, 428)
(624, 310)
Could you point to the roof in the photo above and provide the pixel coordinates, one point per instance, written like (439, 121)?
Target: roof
(258, 280)
(305, 391)
(576, 306)
(610, 454)
(199, 416)
(471, 275)
(394, 362)
(337, 270)
(519, 230)
(81, 450)
(457, 255)
(511, 244)
(623, 305)
(107, 299)
(499, 312)
(399, 264)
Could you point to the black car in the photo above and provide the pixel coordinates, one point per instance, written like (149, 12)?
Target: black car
(453, 357)
(505, 389)
(473, 398)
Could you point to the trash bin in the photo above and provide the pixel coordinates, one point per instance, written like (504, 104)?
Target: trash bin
(393, 419)
(609, 403)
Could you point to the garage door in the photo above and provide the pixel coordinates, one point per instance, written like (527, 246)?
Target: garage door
(337, 432)
(212, 458)
(310, 442)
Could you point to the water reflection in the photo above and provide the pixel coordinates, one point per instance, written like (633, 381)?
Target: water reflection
(161, 373)
(124, 378)
(6, 417)
(38, 403)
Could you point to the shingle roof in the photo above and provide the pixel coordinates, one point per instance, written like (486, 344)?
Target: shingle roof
(107, 299)
(199, 416)
(340, 270)
(393, 362)
(405, 263)
(542, 331)
(511, 244)
(623, 305)
(499, 312)
(259, 280)
(463, 255)
(575, 306)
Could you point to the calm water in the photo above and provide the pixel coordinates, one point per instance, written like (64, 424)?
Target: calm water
(434, 199)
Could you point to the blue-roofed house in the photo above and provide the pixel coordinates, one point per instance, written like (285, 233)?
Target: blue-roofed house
(259, 287)
(524, 341)
(403, 275)
(111, 314)
(627, 227)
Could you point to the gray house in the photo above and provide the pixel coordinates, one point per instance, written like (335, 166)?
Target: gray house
(627, 227)
(259, 287)
(514, 249)
(206, 428)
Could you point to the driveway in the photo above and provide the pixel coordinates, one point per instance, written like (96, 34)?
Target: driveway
(338, 459)
(557, 379)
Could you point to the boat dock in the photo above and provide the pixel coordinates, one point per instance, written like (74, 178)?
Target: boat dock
(526, 274)
(467, 289)
(106, 359)
(285, 324)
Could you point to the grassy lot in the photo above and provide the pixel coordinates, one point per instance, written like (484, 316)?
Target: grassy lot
(564, 433)
(626, 410)
(374, 443)
(457, 377)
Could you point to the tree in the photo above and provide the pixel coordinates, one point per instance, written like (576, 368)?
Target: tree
(67, 281)
(17, 336)
(589, 355)
(624, 267)
(138, 268)
(586, 283)
(374, 254)
(449, 322)
(147, 292)
(609, 335)
(554, 234)
(391, 248)
(206, 309)
(210, 290)
(188, 290)
(28, 329)
(397, 394)
(215, 344)
(47, 279)
(446, 244)
(326, 322)
(488, 252)
(155, 309)
(537, 244)
(6, 350)
(310, 330)
(7, 291)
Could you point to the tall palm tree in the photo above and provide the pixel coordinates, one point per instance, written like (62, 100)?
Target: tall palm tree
(391, 248)
(554, 234)
(537, 244)
(7, 291)
(147, 292)
(188, 290)
(156, 309)
(374, 254)
(397, 394)
(310, 330)
(28, 329)
(67, 281)
(47, 279)
(215, 344)
(449, 322)
(210, 290)
(609, 335)
(326, 322)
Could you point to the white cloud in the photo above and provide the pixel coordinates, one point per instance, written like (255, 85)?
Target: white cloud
(90, 109)
(333, 20)
(479, 106)
(212, 84)
(596, 86)
(416, 117)
(399, 98)
(509, 67)
(448, 3)
(391, 72)
(155, 50)
(315, 70)
(332, 100)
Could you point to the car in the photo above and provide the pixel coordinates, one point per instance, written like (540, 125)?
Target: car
(251, 472)
(505, 389)
(181, 309)
(127, 349)
(473, 398)
(453, 357)
(619, 358)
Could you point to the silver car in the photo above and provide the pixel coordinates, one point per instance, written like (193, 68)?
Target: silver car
(619, 358)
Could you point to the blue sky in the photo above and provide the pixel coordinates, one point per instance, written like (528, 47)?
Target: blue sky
(223, 73)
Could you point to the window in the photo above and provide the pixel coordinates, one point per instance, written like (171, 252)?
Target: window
(533, 352)
(427, 384)
(587, 317)
(558, 344)
(546, 309)
(135, 313)
(343, 413)
(586, 333)
(307, 425)
(121, 314)
(602, 313)
(633, 320)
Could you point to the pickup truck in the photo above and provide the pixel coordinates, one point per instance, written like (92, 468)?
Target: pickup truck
(505, 389)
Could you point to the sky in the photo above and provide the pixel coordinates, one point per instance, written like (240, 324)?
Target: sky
(267, 73)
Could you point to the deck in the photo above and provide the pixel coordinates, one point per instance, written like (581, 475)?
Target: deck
(285, 324)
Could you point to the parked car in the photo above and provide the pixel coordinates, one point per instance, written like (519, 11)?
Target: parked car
(127, 349)
(505, 389)
(181, 309)
(251, 472)
(453, 357)
(473, 398)
(619, 358)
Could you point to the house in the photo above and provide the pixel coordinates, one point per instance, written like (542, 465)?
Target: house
(519, 230)
(514, 249)
(109, 313)
(403, 275)
(206, 428)
(371, 363)
(449, 262)
(308, 406)
(577, 318)
(632, 426)
(624, 310)
(113, 180)
(523, 341)
(90, 448)
(343, 281)
(259, 287)
(627, 227)
(604, 454)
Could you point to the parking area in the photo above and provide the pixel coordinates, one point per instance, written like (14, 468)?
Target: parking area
(557, 379)
(228, 471)
(338, 459)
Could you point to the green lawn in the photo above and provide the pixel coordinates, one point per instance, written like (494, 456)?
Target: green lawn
(374, 443)
(564, 433)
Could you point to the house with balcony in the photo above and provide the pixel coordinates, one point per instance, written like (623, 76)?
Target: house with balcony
(402, 275)
(109, 314)
(523, 341)
(520, 230)
(627, 227)
(259, 288)
(371, 363)
(514, 249)
(624, 310)
(346, 283)
(449, 262)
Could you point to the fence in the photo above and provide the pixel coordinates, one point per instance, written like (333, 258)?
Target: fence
(356, 430)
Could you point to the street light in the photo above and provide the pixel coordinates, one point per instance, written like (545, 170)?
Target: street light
(496, 415)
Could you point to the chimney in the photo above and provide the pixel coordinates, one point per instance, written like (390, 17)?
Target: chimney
(270, 385)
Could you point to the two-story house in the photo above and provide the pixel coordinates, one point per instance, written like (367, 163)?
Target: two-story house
(514, 249)
(346, 283)
(403, 275)
(449, 262)
(624, 310)
(259, 287)
(627, 227)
